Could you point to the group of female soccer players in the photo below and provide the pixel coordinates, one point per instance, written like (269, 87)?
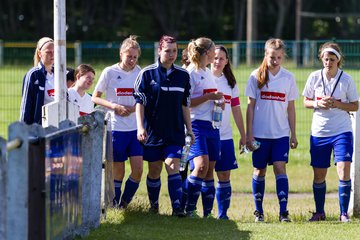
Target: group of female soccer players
(152, 111)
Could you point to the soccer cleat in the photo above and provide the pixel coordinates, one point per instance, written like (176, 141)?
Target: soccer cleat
(209, 216)
(115, 204)
(192, 214)
(123, 205)
(259, 217)
(154, 210)
(284, 217)
(344, 217)
(316, 217)
(178, 213)
(223, 217)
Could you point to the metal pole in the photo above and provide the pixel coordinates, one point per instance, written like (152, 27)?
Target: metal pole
(354, 205)
(60, 56)
(298, 32)
(78, 53)
(251, 29)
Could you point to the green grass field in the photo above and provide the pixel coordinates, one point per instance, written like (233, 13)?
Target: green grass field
(136, 223)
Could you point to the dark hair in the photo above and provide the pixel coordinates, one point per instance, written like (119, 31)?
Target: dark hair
(70, 74)
(185, 57)
(82, 69)
(166, 39)
(227, 69)
(263, 75)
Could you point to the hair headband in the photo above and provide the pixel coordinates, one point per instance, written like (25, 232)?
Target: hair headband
(332, 51)
(45, 43)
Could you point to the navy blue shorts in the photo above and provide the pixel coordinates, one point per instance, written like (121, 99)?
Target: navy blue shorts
(125, 145)
(153, 154)
(270, 151)
(227, 159)
(321, 148)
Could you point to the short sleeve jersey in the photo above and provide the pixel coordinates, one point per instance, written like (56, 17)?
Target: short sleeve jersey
(49, 93)
(86, 106)
(231, 96)
(270, 111)
(118, 85)
(331, 122)
(202, 82)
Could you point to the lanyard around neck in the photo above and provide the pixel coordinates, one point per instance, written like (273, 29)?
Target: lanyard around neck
(323, 82)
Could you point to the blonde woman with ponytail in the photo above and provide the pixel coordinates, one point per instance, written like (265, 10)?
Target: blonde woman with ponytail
(270, 120)
(38, 83)
(205, 151)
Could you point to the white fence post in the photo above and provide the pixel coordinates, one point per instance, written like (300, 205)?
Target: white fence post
(17, 225)
(3, 205)
(1, 53)
(78, 53)
(354, 205)
(156, 55)
(235, 54)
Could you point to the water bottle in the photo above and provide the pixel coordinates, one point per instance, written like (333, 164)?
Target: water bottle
(217, 114)
(255, 145)
(185, 153)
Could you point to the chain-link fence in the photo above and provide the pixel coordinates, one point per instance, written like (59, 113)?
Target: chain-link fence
(302, 59)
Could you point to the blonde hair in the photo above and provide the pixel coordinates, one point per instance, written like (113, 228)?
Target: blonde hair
(197, 48)
(128, 43)
(40, 44)
(263, 74)
(334, 46)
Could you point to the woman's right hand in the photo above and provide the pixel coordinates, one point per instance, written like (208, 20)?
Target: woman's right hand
(215, 95)
(249, 142)
(142, 135)
(122, 110)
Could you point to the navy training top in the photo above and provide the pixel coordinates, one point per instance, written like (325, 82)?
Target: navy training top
(163, 93)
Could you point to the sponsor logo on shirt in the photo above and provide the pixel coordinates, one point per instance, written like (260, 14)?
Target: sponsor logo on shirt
(273, 96)
(209, 90)
(82, 113)
(319, 98)
(124, 91)
(152, 82)
(51, 92)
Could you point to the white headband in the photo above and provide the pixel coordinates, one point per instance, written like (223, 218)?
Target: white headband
(332, 51)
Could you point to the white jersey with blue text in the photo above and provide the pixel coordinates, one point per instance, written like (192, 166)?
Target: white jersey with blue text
(118, 85)
(202, 82)
(270, 111)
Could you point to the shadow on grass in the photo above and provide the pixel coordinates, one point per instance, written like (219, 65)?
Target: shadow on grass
(139, 224)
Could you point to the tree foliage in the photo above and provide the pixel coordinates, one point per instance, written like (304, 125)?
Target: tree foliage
(112, 20)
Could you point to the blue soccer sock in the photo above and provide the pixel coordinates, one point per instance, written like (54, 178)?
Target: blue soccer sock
(258, 187)
(223, 196)
(194, 188)
(175, 190)
(117, 187)
(344, 195)
(208, 196)
(282, 190)
(153, 188)
(130, 188)
(184, 194)
(319, 190)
